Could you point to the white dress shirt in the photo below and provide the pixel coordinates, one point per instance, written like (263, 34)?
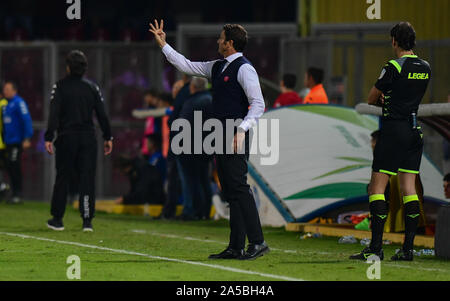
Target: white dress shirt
(246, 77)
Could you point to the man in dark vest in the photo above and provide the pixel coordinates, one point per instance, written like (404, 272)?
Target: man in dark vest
(235, 87)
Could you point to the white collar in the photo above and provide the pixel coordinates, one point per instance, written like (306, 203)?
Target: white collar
(234, 56)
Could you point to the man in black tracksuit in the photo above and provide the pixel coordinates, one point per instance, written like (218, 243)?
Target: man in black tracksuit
(73, 101)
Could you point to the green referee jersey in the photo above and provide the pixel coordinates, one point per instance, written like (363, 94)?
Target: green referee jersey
(403, 82)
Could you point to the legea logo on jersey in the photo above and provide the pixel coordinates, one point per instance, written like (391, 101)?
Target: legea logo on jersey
(418, 76)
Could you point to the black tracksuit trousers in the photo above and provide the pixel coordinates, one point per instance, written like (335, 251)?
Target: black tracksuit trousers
(76, 154)
(14, 167)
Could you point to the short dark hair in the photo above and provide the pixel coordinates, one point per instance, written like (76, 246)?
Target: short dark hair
(237, 34)
(77, 62)
(155, 139)
(316, 74)
(375, 134)
(167, 97)
(404, 34)
(13, 84)
(289, 80)
(447, 178)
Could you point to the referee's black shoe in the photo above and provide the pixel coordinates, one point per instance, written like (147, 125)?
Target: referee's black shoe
(87, 225)
(229, 253)
(402, 255)
(55, 224)
(366, 253)
(255, 250)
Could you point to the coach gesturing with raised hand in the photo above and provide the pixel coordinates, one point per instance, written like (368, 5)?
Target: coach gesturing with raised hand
(235, 86)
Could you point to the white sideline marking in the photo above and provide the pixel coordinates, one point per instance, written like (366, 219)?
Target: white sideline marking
(214, 266)
(415, 268)
(220, 242)
(140, 231)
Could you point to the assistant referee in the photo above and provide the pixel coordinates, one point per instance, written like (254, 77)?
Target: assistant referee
(399, 89)
(73, 101)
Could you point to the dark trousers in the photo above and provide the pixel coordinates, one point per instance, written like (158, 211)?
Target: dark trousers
(196, 169)
(76, 154)
(14, 167)
(244, 218)
(173, 188)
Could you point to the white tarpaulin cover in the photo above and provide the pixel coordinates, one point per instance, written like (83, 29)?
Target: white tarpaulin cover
(325, 158)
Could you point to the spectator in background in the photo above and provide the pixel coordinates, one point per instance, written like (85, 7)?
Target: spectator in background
(146, 186)
(17, 131)
(164, 102)
(288, 96)
(4, 188)
(177, 87)
(151, 127)
(156, 157)
(374, 138)
(313, 80)
(447, 186)
(175, 177)
(195, 167)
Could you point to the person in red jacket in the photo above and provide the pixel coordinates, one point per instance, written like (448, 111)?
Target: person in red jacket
(288, 96)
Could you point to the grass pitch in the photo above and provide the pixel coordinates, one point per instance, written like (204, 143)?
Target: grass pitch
(138, 248)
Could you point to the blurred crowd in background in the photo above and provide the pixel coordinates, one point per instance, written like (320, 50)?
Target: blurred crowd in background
(158, 176)
(25, 20)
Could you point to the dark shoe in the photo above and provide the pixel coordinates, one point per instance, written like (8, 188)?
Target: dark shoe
(366, 253)
(87, 226)
(55, 224)
(402, 255)
(227, 254)
(254, 251)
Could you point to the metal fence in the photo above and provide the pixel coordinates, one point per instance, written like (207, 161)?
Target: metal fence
(352, 67)
(123, 71)
(359, 63)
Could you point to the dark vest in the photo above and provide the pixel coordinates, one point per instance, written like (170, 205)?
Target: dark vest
(229, 99)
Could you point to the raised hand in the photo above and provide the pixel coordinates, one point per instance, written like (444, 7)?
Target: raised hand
(157, 30)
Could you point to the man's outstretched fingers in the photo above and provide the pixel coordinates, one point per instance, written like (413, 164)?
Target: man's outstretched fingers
(152, 28)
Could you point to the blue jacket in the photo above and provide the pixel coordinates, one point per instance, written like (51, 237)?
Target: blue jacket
(17, 124)
(157, 160)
